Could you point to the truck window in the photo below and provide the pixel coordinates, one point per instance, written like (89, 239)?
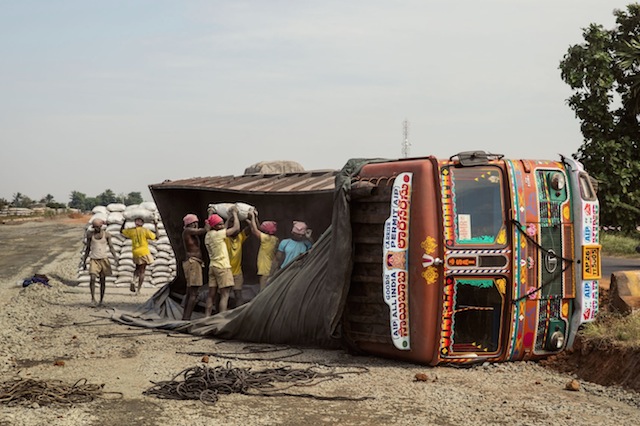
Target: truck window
(477, 314)
(478, 206)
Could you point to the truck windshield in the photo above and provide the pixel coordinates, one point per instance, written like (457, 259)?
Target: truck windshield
(478, 206)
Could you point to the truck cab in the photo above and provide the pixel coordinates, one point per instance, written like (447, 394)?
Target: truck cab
(483, 258)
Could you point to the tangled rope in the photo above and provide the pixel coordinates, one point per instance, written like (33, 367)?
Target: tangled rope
(28, 391)
(207, 384)
(252, 350)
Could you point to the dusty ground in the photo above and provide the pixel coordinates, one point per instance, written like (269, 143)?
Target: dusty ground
(43, 325)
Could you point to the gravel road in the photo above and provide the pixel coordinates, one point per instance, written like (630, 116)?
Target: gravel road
(43, 326)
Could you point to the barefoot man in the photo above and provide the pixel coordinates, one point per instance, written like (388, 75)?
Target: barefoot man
(140, 237)
(220, 275)
(98, 242)
(193, 264)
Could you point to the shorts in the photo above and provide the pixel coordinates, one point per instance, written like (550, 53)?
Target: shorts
(238, 280)
(220, 277)
(147, 259)
(100, 267)
(193, 271)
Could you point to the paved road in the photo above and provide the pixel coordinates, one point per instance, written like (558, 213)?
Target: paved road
(612, 264)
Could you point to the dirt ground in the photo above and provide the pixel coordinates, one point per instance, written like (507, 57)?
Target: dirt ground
(51, 334)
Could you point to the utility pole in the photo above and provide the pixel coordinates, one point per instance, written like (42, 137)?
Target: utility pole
(405, 142)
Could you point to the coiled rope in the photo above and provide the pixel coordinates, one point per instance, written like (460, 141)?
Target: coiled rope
(208, 383)
(28, 391)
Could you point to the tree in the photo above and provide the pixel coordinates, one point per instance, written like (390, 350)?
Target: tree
(107, 197)
(47, 199)
(133, 198)
(3, 203)
(21, 200)
(604, 74)
(78, 200)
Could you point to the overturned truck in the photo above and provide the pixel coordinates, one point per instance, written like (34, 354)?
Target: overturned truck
(460, 260)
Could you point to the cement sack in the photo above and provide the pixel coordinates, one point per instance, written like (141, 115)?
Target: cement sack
(100, 209)
(222, 209)
(144, 214)
(164, 240)
(124, 261)
(162, 275)
(126, 268)
(165, 247)
(115, 218)
(160, 268)
(116, 207)
(161, 262)
(164, 255)
(124, 278)
(149, 205)
(102, 216)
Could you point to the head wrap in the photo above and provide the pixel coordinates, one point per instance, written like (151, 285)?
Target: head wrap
(299, 228)
(214, 219)
(269, 227)
(189, 219)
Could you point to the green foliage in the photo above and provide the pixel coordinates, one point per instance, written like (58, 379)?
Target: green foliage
(133, 198)
(616, 244)
(3, 203)
(78, 201)
(56, 205)
(21, 200)
(614, 328)
(107, 197)
(604, 74)
(47, 199)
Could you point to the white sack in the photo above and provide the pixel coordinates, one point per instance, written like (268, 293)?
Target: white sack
(144, 214)
(115, 218)
(116, 207)
(100, 209)
(149, 205)
(222, 209)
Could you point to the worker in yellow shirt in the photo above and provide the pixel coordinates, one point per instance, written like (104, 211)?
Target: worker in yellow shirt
(139, 248)
(234, 244)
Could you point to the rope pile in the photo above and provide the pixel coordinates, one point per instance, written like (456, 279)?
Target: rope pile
(207, 384)
(28, 391)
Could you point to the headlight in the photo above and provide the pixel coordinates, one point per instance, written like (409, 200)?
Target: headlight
(556, 342)
(557, 181)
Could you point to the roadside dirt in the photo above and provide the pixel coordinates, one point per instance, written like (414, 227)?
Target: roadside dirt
(600, 362)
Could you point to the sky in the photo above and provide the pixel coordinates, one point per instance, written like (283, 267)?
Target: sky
(121, 94)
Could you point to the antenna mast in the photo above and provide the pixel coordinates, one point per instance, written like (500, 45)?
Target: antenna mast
(405, 142)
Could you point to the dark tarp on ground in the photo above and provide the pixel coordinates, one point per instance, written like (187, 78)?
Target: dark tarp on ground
(302, 305)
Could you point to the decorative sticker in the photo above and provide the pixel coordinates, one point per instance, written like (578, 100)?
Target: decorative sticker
(395, 253)
(446, 331)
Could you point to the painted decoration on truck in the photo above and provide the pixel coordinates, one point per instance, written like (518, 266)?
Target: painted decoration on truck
(395, 259)
(591, 238)
(430, 273)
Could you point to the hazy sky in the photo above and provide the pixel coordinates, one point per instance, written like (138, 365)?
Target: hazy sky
(123, 94)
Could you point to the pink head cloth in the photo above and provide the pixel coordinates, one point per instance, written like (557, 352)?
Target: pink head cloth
(189, 219)
(269, 227)
(214, 219)
(299, 228)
